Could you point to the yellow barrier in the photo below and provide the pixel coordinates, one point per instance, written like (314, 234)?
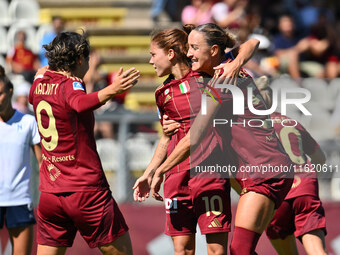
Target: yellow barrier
(100, 15)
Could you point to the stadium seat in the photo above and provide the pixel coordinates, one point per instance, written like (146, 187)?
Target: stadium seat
(30, 35)
(2, 61)
(318, 89)
(3, 41)
(25, 11)
(139, 151)
(4, 17)
(318, 123)
(104, 17)
(335, 188)
(333, 92)
(108, 150)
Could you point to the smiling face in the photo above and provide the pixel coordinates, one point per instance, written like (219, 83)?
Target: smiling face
(199, 53)
(159, 60)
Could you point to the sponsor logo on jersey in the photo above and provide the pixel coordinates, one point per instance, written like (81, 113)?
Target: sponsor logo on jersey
(215, 224)
(171, 205)
(77, 86)
(168, 97)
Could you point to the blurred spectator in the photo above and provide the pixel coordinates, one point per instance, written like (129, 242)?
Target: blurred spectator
(21, 98)
(199, 12)
(95, 81)
(21, 59)
(58, 27)
(229, 13)
(284, 40)
(314, 55)
(170, 6)
(306, 12)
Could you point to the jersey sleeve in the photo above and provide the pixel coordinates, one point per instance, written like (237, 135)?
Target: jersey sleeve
(160, 110)
(77, 99)
(35, 138)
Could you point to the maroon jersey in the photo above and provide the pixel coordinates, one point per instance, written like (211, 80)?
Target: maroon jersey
(65, 120)
(251, 136)
(181, 101)
(297, 142)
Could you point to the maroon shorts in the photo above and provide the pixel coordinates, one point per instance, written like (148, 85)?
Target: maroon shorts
(298, 215)
(275, 189)
(95, 214)
(192, 200)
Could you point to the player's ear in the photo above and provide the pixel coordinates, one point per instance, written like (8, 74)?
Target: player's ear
(214, 50)
(171, 54)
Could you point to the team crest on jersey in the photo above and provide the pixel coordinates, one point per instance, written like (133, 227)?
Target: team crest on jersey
(77, 86)
(166, 92)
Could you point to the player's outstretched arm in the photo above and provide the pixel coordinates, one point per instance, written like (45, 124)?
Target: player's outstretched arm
(142, 184)
(121, 83)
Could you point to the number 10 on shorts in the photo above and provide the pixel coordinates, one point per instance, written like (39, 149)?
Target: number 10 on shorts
(210, 205)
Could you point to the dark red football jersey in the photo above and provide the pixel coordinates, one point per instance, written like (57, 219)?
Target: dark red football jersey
(297, 142)
(181, 101)
(253, 139)
(65, 120)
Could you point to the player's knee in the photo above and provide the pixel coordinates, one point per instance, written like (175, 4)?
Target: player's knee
(216, 250)
(184, 248)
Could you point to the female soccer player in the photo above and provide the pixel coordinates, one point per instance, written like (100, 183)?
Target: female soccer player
(301, 213)
(19, 133)
(75, 194)
(254, 147)
(187, 200)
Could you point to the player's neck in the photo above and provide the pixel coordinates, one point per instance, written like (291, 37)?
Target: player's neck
(7, 114)
(180, 70)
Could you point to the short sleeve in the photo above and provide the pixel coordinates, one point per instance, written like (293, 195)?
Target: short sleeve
(35, 137)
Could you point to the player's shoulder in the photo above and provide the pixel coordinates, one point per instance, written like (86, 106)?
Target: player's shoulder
(24, 117)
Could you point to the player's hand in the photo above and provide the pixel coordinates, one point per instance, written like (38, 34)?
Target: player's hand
(41, 71)
(124, 80)
(156, 186)
(170, 127)
(230, 74)
(141, 189)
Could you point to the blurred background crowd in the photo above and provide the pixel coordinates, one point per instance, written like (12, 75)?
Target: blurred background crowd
(299, 47)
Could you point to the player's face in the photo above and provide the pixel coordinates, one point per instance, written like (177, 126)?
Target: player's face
(82, 68)
(159, 60)
(199, 52)
(5, 97)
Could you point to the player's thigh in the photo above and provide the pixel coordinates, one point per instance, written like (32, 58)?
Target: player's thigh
(22, 239)
(50, 250)
(211, 201)
(254, 212)
(180, 216)
(121, 246)
(184, 244)
(97, 217)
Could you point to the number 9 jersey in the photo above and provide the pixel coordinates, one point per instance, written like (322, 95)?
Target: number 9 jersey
(64, 114)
